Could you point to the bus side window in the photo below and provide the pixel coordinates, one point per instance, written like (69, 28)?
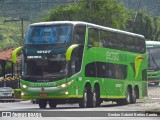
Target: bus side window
(79, 34)
(93, 37)
(90, 70)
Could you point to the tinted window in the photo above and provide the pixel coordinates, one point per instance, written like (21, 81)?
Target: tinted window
(154, 59)
(52, 34)
(79, 34)
(106, 70)
(115, 40)
(93, 37)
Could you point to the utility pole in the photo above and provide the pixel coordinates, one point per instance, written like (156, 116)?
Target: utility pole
(22, 24)
(22, 28)
(133, 25)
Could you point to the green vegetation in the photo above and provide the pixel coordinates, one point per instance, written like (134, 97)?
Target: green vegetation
(147, 25)
(109, 13)
(103, 12)
(150, 6)
(10, 34)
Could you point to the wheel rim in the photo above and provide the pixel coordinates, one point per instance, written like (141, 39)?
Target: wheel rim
(128, 97)
(85, 99)
(94, 99)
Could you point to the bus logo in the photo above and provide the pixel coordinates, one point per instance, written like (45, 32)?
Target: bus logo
(42, 88)
(138, 61)
(112, 56)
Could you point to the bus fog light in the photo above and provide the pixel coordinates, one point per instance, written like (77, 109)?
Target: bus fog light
(22, 93)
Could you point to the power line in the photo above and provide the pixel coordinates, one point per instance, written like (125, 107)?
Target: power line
(15, 20)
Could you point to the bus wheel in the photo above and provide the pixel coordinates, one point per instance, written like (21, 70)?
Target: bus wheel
(96, 97)
(83, 101)
(127, 100)
(128, 97)
(156, 83)
(42, 103)
(52, 104)
(120, 102)
(134, 96)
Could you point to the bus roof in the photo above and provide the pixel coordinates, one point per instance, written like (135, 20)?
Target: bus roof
(153, 42)
(87, 24)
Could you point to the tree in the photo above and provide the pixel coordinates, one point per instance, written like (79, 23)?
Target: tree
(103, 12)
(146, 25)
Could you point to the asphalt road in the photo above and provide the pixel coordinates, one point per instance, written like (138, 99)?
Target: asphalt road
(152, 103)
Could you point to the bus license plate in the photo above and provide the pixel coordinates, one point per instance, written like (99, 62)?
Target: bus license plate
(43, 94)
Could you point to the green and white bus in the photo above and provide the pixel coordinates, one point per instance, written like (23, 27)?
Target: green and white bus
(80, 62)
(153, 49)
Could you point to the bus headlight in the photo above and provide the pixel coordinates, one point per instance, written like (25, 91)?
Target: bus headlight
(24, 86)
(62, 86)
(66, 84)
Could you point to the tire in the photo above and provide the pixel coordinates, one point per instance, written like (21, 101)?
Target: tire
(83, 101)
(52, 104)
(120, 102)
(128, 97)
(42, 103)
(156, 83)
(134, 97)
(127, 100)
(96, 97)
(33, 101)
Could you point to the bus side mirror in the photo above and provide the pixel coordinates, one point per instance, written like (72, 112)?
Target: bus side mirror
(69, 51)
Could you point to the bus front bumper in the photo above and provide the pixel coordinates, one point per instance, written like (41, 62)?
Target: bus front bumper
(55, 92)
(44, 92)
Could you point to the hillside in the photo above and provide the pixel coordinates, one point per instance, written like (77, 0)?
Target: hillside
(150, 6)
(11, 12)
(28, 9)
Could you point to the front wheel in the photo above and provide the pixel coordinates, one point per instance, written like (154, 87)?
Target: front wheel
(42, 103)
(52, 104)
(96, 97)
(83, 101)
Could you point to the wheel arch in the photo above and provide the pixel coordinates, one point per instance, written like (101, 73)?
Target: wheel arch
(129, 87)
(136, 88)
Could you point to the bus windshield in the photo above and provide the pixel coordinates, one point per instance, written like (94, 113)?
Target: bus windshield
(154, 59)
(50, 34)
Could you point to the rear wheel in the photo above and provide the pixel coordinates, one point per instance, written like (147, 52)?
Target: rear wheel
(134, 97)
(128, 97)
(156, 83)
(127, 100)
(42, 103)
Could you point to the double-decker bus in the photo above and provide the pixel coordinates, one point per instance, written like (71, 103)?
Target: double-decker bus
(80, 62)
(153, 49)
